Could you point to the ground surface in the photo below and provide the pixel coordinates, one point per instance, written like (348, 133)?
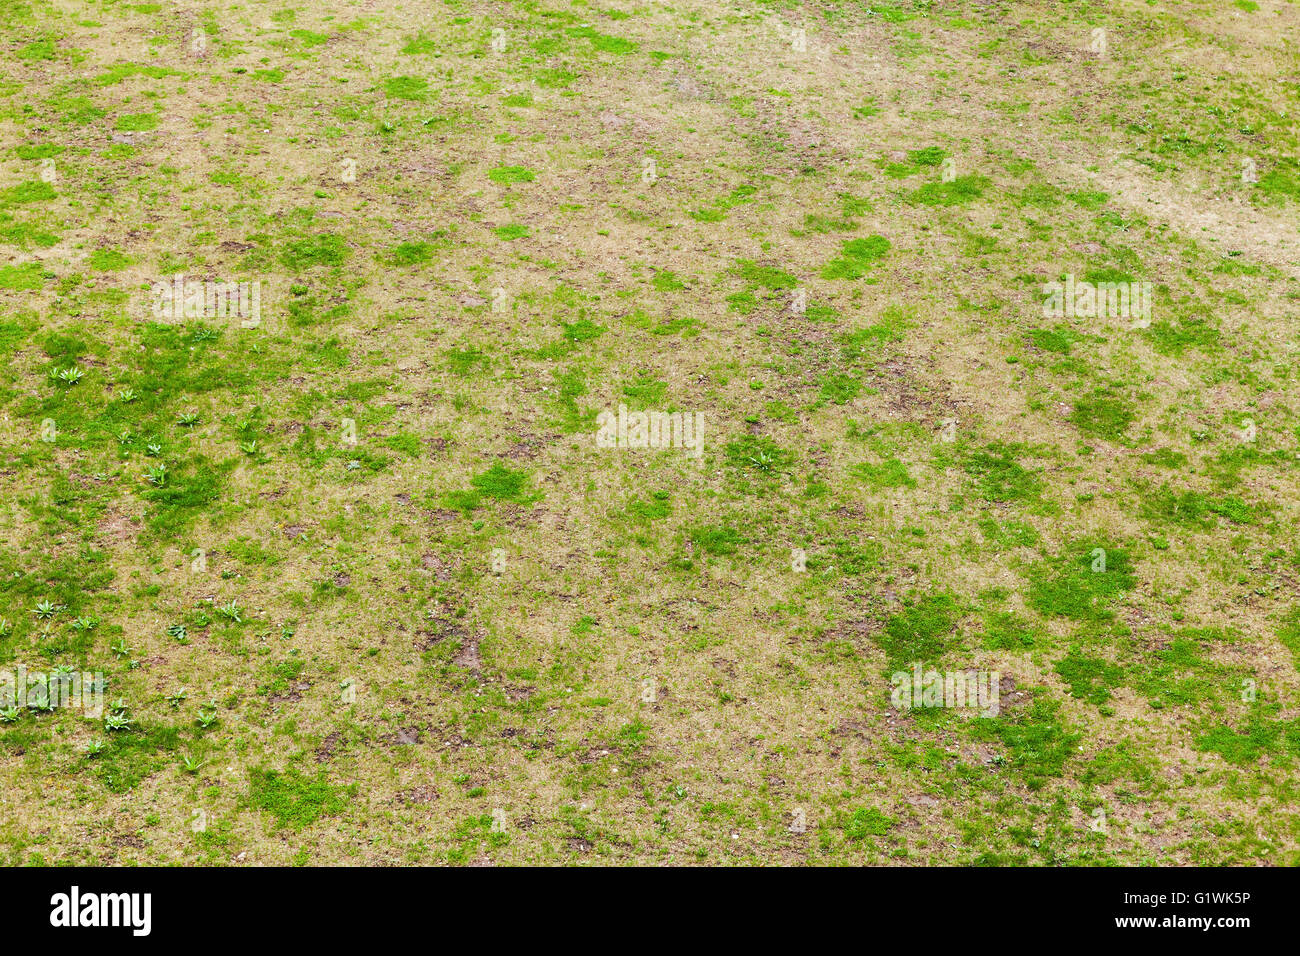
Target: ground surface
(418, 616)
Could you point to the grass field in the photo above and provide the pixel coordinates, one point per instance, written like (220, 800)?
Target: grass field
(627, 410)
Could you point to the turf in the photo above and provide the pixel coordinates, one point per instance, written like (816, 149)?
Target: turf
(633, 392)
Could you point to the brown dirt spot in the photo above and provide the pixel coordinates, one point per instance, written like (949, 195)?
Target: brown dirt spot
(329, 746)
(293, 694)
(404, 737)
(440, 568)
(117, 528)
(421, 794)
(468, 656)
(442, 628)
(522, 451)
